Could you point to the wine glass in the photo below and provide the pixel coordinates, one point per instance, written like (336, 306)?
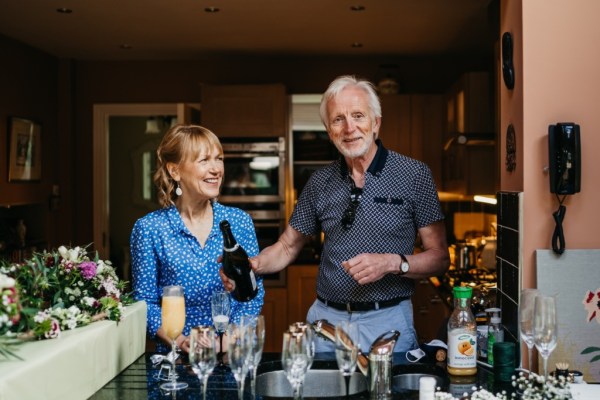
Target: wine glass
(202, 355)
(294, 360)
(545, 327)
(173, 321)
(309, 340)
(238, 353)
(526, 304)
(346, 349)
(220, 304)
(254, 327)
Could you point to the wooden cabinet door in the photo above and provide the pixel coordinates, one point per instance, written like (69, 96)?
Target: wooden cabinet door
(275, 312)
(245, 110)
(395, 123)
(302, 290)
(430, 312)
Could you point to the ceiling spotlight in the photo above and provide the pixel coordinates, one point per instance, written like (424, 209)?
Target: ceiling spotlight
(212, 9)
(126, 46)
(356, 45)
(64, 10)
(357, 7)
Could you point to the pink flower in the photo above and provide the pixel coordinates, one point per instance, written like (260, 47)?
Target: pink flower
(591, 302)
(54, 331)
(88, 269)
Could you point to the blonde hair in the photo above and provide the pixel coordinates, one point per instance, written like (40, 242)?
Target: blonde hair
(181, 143)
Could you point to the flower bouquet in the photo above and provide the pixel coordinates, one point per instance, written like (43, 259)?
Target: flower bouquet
(55, 291)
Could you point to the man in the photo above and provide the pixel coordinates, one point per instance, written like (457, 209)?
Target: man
(370, 204)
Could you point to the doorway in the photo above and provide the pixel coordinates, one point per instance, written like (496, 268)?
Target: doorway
(123, 168)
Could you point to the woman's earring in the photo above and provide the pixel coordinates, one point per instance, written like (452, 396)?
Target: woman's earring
(178, 191)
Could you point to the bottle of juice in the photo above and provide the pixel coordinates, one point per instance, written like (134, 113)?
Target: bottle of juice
(462, 335)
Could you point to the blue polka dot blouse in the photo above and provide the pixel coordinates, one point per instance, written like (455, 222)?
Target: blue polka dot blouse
(164, 252)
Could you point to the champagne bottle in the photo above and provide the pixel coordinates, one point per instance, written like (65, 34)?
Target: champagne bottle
(236, 266)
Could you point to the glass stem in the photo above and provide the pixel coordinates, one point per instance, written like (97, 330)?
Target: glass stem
(297, 391)
(545, 367)
(253, 382)
(173, 375)
(204, 383)
(530, 358)
(347, 381)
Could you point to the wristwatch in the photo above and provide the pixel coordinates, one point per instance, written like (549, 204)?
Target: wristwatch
(404, 265)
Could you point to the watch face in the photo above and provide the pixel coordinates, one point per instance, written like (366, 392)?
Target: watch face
(404, 267)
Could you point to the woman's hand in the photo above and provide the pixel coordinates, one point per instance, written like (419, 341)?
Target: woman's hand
(183, 342)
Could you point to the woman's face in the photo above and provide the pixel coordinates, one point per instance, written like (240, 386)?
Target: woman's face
(201, 177)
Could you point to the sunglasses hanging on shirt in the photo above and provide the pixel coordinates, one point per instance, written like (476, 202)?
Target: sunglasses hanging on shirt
(350, 213)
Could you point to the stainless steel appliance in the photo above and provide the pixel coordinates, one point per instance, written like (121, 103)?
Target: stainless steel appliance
(255, 182)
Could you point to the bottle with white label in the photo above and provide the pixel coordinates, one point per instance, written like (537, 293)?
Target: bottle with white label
(236, 266)
(462, 335)
(495, 332)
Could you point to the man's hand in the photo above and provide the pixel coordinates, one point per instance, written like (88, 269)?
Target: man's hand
(367, 267)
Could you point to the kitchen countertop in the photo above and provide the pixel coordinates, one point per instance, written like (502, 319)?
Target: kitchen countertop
(140, 380)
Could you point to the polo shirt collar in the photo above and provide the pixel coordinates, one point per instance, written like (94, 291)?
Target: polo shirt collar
(376, 165)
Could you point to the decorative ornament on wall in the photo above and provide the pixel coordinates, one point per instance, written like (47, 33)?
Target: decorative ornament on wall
(508, 68)
(511, 148)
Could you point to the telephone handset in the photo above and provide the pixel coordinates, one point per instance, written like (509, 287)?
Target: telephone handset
(564, 158)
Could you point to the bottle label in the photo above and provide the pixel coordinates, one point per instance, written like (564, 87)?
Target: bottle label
(253, 279)
(462, 349)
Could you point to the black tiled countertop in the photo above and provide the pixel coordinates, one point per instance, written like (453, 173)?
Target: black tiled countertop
(140, 380)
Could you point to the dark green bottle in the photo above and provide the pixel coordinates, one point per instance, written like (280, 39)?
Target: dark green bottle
(236, 266)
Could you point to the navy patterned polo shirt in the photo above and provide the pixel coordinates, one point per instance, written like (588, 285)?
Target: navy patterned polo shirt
(399, 197)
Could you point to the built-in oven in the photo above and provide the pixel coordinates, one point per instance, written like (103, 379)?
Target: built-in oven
(255, 182)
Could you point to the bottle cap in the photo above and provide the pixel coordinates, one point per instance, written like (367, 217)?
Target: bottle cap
(462, 292)
(494, 315)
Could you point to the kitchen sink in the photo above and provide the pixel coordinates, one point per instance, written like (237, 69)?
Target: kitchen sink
(405, 378)
(325, 380)
(318, 383)
(322, 380)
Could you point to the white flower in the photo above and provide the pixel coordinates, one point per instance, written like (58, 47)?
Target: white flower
(6, 282)
(69, 254)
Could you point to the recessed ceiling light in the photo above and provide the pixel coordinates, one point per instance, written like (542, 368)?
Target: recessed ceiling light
(356, 45)
(357, 7)
(126, 46)
(212, 9)
(64, 10)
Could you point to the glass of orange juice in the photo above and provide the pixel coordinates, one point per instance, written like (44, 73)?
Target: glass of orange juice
(173, 320)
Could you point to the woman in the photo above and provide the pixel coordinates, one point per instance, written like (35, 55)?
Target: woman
(181, 243)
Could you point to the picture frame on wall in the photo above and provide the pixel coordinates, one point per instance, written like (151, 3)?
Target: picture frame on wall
(25, 150)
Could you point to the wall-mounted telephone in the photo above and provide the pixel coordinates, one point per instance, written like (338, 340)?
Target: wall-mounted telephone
(564, 158)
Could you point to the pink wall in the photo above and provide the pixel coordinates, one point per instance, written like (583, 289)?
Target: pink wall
(557, 80)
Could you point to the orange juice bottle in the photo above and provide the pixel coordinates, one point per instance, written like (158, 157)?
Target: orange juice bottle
(462, 335)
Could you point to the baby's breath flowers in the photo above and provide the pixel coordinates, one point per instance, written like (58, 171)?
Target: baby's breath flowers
(526, 387)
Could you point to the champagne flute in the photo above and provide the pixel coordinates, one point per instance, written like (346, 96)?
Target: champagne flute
(526, 304)
(254, 326)
(545, 327)
(202, 355)
(294, 360)
(220, 304)
(346, 349)
(238, 353)
(173, 321)
(309, 340)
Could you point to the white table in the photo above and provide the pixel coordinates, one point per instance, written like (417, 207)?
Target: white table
(76, 365)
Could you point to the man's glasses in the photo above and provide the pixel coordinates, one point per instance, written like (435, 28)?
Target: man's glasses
(350, 213)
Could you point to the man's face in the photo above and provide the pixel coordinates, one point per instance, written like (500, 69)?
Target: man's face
(351, 127)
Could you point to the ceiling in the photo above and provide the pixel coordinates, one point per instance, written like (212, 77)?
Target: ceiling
(182, 29)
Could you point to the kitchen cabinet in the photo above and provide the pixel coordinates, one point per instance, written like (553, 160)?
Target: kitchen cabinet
(413, 125)
(430, 311)
(470, 153)
(245, 110)
(275, 311)
(283, 306)
(469, 104)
